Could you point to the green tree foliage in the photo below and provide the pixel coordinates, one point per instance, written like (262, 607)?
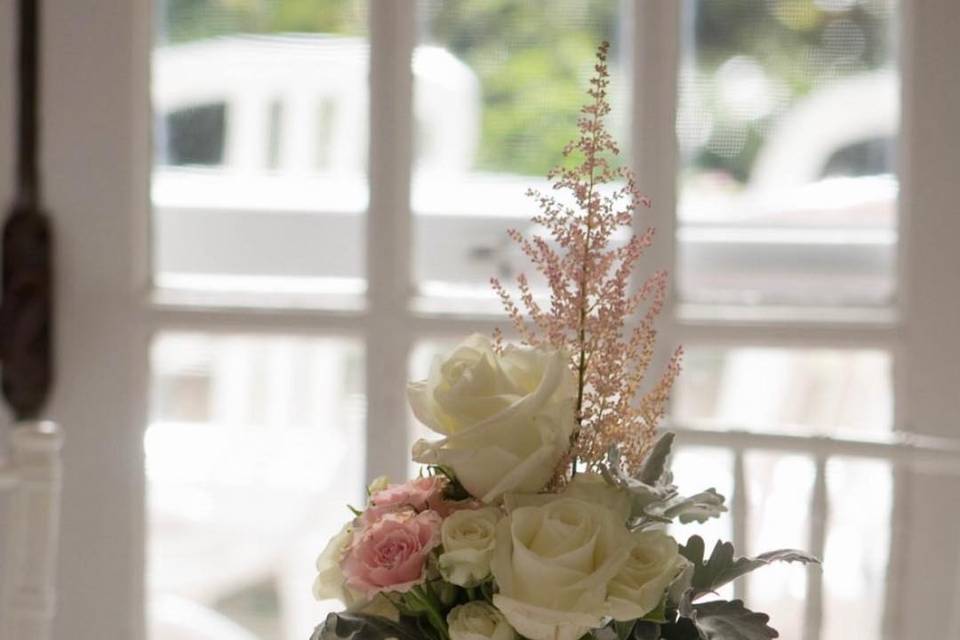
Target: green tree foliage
(799, 44)
(185, 20)
(533, 57)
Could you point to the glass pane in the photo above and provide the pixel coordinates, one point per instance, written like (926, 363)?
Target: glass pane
(857, 547)
(498, 90)
(252, 451)
(787, 123)
(779, 489)
(260, 118)
(696, 469)
(815, 391)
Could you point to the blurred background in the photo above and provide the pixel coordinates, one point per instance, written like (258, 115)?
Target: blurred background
(787, 123)
(331, 183)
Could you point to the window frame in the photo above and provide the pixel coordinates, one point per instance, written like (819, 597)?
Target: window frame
(98, 160)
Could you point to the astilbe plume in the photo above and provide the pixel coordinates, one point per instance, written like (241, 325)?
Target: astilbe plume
(606, 326)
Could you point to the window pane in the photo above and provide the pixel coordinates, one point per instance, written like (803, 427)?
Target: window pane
(253, 450)
(857, 547)
(817, 391)
(787, 123)
(498, 90)
(779, 489)
(696, 469)
(260, 116)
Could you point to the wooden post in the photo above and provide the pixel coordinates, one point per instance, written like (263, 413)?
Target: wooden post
(28, 568)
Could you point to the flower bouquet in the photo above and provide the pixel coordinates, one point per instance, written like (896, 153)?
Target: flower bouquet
(542, 511)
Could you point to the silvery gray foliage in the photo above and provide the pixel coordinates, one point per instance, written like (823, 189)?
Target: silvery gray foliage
(654, 497)
(723, 620)
(723, 567)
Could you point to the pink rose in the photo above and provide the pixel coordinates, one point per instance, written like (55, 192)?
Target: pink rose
(390, 554)
(418, 494)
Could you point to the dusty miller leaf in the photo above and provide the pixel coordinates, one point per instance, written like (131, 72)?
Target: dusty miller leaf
(722, 620)
(654, 497)
(362, 626)
(722, 567)
(645, 630)
(656, 463)
(696, 508)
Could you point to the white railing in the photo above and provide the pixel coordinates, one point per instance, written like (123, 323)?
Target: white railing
(912, 452)
(28, 562)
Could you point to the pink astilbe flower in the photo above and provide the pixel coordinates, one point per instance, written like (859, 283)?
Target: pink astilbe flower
(594, 314)
(390, 554)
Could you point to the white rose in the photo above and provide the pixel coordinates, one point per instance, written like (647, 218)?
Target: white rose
(552, 564)
(478, 621)
(468, 537)
(507, 418)
(588, 487)
(654, 563)
(330, 581)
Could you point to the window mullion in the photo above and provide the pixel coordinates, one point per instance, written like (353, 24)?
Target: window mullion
(654, 59)
(392, 33)
(740, 507)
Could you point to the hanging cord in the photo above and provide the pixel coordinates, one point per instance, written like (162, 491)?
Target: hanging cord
(27, 273)
(28, 107)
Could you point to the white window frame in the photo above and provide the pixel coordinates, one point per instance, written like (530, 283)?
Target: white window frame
(97, 161)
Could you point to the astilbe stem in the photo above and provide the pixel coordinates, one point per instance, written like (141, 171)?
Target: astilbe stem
(591, 304)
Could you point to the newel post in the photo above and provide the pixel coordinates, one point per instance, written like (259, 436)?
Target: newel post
(30, 557)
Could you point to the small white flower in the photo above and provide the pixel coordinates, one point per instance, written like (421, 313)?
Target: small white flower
(478, 621)
(468, 539)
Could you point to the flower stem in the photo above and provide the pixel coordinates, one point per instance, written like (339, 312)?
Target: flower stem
(431, 608)
(584, 275)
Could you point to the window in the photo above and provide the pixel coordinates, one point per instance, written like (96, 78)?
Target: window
(192, 136)
(786, 209)
(342, 229)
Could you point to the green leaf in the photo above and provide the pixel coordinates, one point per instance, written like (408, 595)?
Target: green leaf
(722, 620)
(722, 567)
(362, 626)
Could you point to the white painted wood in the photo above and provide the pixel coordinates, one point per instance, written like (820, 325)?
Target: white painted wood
(924, 569)
(96, 156)
(926, 455)
(819, 509)
(28, 563)
(656, 50)
(392, 36)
